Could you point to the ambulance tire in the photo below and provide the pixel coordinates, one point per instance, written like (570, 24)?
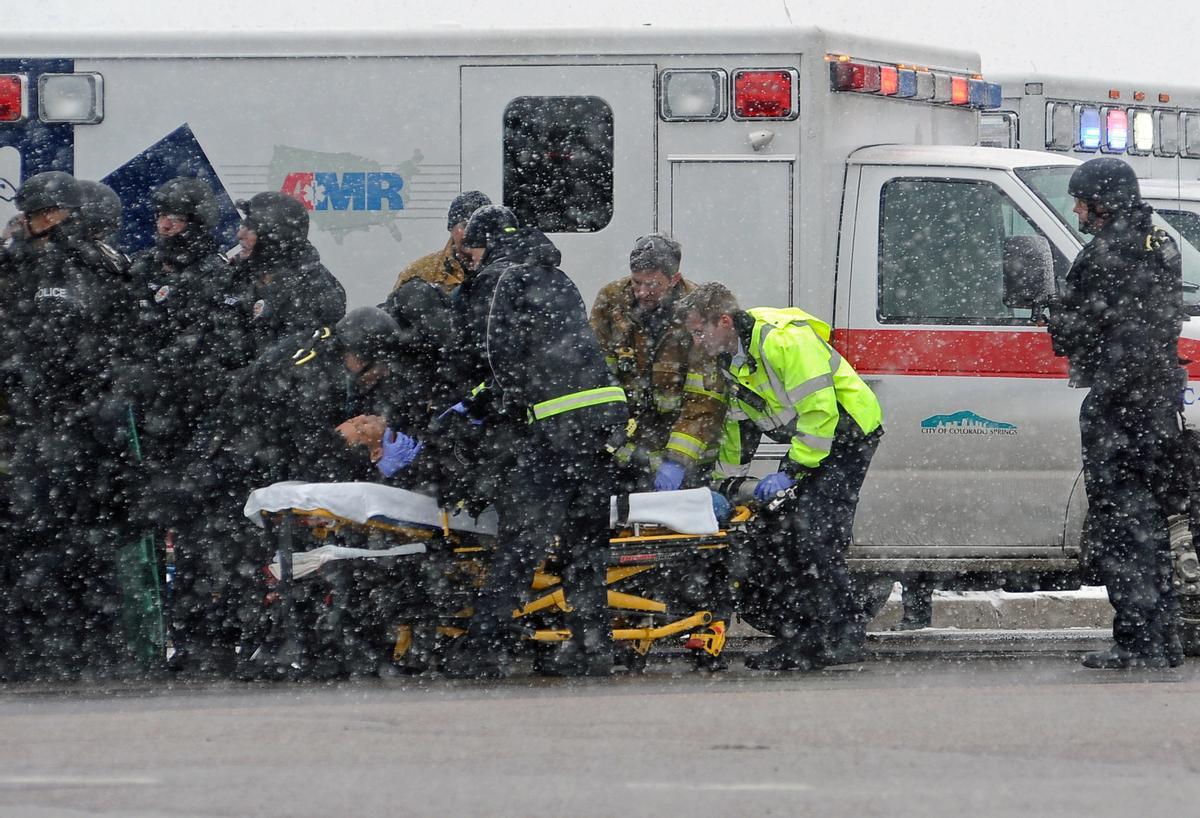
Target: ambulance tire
(1184, 556)
(1189, 627)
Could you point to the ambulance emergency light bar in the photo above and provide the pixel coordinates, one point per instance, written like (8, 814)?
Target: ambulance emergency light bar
(911, 82)
(1137, 131)
(74, 99)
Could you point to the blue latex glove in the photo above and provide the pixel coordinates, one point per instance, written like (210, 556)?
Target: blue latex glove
(722, 508)
(460, 408)
(771, 485)
(669, 476)
(399, 451)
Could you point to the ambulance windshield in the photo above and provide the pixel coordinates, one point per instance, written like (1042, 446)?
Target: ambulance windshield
(1050, 185)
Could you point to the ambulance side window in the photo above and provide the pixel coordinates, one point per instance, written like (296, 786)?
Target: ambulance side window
(1186, 222)
(941, 251)
(558, 163)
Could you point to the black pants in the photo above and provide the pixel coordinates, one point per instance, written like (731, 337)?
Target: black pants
(802, 566)
(1124, 468)
(551, 493)
(63, 604)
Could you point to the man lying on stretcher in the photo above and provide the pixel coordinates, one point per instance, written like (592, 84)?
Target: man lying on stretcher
(311, 409)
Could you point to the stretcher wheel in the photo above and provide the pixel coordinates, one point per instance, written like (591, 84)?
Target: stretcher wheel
(709, 663)
(633, 661)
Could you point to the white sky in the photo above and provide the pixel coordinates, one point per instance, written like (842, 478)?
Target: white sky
(1103, 39)
(1113, 40)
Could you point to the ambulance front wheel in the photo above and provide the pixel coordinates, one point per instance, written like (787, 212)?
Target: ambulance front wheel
(1187, 584)
(1189, 628)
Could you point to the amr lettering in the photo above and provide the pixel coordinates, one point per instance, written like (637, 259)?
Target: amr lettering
(319, 190)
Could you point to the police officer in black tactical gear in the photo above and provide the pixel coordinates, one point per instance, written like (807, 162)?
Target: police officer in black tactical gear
(290, 289)
(1118, 323)
(192, 328)
(524, 330)
(69, 501)
(190, 334)
(283, 418)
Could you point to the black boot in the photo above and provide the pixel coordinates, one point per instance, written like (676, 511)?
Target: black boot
(1119, 658)
(843, 646)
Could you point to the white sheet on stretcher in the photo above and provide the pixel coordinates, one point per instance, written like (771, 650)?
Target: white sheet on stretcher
(688, 511)
(307, 562)
(363, 502)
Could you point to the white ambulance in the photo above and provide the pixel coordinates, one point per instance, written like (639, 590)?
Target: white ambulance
(1153, 126)
(798, 166)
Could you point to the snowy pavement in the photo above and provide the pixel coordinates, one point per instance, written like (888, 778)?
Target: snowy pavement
(1007, 734)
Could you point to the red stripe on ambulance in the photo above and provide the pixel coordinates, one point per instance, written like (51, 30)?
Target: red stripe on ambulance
(965, 353)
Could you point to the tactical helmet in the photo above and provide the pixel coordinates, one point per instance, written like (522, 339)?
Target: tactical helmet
(370, 333)
(100, 211)
(190, 197)
(656, 251)
(464, 205)
(276, 218)
(54, 188)
(489, 223)
(1107, 182)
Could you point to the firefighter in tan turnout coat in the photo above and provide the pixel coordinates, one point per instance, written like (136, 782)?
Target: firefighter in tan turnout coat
(676, 394)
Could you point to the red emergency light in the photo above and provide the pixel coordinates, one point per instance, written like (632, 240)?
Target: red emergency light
(855, 76)
(12, 97)
(763, 94)
(959, 91)
(889, 80)
(905, 81)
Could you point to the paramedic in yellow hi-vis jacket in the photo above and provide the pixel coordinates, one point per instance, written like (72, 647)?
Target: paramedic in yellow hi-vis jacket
(787, 382)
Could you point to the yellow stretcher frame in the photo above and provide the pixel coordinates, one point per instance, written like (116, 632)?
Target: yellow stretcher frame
(702, 634)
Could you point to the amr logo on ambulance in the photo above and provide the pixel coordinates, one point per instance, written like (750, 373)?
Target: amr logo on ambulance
(344, 192)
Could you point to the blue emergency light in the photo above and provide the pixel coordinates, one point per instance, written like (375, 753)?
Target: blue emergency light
(976, 93)
(906, 85)
(984, 94)
(1089, 129)
(994, 96)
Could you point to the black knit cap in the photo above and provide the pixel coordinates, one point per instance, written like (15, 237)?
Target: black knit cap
(656, 251)
(464, 205)
(488, 225)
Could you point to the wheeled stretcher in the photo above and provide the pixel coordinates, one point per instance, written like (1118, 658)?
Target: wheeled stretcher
(407, 570)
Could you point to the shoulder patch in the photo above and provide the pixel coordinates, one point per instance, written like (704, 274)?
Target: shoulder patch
(162, 294)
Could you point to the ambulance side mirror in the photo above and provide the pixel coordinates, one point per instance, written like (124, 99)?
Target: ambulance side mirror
(1028, 272)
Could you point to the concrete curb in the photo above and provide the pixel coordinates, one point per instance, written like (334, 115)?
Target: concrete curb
(999, 610)
(995, 610)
